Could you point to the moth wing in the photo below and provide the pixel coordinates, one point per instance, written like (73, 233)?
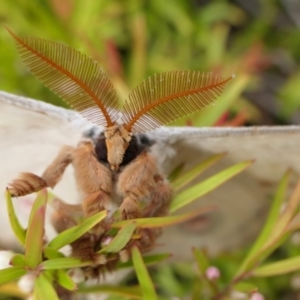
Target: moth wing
(31, 135)
(245, 199)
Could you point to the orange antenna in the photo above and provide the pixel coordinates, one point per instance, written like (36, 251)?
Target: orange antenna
(166, 97)
(73, 76)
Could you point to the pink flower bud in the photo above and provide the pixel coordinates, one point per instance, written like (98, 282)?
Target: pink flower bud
(257, 296)
(212, 273)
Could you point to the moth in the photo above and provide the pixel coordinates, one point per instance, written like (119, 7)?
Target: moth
(48, 128)
(112, 167)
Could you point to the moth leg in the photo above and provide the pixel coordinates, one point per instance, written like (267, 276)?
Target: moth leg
(135, 183)
(25, 184)
(28, 183)
(94, 203)
(53, 174)
(64, 216)
(94, 180)
(160, 200)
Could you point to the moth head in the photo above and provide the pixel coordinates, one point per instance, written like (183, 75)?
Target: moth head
(117, 140)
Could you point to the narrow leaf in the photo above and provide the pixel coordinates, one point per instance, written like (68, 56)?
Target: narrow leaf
(198, 190)
(120, 240)
(35, 232)
(12, 273)
(63, 263)
(70, 235)
(52, 253)
(132, 292)
(164, 221)
(148, 260)
(175, 173)
(278, 268)
(203, 264)
(43, 288)
(186, 178)
(269, 224)
(65, 280)
(201, 260)
(286, 216)
(245, 287)
(12, 289)
(40, 200)
(18, 260)
(143, 276)
(18, 230)
(165, 97)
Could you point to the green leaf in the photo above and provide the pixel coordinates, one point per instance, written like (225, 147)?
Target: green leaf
(70, 235)
(43, 288)
(18, 260)
(163, 221)
(203, 264)
(18, 230)
(143, 276)
(202, 261)
(269, 224)
(148, 260)
(245, 287)
(35, 232)
(40, 201)
(277, 268)
(187, 177)
(65, 280)
(52, 253)
(286, 217)
(120, 240)
(132, 292)
(198, 190)
(175, 173)
(63, 263)
(12, 273)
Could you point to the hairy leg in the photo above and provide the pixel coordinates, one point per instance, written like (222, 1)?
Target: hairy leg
(28, 183)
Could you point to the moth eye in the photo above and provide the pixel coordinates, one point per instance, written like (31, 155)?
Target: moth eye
(145, 141)
(101, 149)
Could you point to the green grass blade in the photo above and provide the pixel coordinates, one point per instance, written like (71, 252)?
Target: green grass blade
(35, 233)
(187, 177)
(41, 200)
(43, 288)
(120, 240)
(18, 230)
(164, 221)
(18, 260)
(198, 190)
(148, 260)
(70, 235)
(269, 224)
(278, 268)
(64, 280)
(63, 263)
(132, 292)
(12, 273)
(143, 276)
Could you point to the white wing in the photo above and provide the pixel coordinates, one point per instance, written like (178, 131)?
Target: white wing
(244, 200)
(31, 134)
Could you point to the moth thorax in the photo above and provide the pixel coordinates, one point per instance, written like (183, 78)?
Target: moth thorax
(117, 139)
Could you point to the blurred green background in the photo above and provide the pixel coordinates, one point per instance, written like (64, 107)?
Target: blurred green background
(259, 41)
(256, 40)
